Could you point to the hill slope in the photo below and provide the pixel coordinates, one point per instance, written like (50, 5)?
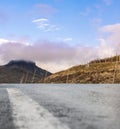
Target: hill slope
(98, 71)
(21, 72)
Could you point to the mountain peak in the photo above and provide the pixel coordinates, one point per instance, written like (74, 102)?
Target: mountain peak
(20, 63)
(21, 71)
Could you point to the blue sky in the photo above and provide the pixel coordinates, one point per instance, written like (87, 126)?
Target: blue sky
(67, 32)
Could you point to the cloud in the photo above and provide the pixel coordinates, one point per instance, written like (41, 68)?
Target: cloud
(2, 41)
(105, 49)
(111, 28)
(41, 23)
(45, 25)
(44, 10)
(43, 50)
(51, 55)
(6, 41)
(110, 39)
(40, 20)
(111, 33)
(56, 56)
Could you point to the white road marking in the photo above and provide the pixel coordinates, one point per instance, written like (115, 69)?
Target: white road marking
(28, 114)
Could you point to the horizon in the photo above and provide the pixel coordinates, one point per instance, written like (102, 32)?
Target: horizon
(59, 34)
(91, 61)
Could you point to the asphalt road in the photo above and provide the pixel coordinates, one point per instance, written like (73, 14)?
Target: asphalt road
(55, 106)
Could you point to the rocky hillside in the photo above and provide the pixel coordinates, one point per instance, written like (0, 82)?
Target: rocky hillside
(98, 71)
(21, 72)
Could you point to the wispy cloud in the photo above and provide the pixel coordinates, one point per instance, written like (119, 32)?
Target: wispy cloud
(40, 20)
(45, 25)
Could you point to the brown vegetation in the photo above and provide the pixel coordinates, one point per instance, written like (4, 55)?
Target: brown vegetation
(98, 71)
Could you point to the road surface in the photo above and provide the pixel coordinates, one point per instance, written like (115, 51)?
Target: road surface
(55, 106)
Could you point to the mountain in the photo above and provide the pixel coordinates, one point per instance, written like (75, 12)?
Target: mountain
(20, 71)
(97, 71)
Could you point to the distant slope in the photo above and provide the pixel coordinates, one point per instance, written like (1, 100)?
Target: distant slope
(98, 71)
(21, 72)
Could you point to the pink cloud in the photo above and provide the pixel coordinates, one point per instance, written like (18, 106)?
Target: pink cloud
(111, 34)
(57, 55)
(43, 51)
(109, 40)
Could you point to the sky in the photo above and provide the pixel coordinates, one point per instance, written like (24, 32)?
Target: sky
(58, 34)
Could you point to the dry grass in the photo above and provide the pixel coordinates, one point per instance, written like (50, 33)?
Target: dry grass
(95, 72)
